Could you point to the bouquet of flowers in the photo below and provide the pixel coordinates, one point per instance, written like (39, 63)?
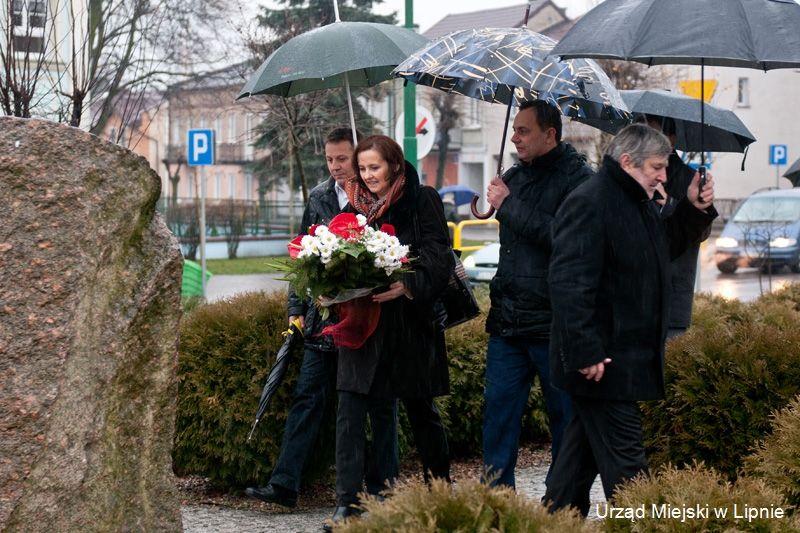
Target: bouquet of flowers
(341, 264)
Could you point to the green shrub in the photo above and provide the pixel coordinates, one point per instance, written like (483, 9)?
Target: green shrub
(696, 488)
(734, 367)
(226, 351)
(468, 506)
(777, 458)
(462, 410)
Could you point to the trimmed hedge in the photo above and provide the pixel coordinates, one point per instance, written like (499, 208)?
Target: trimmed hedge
(736, 365)
(777, 459)
(226, 351)
(697, 488)
(467, 506)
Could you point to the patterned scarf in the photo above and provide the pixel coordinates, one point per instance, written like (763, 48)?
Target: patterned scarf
(367, 203)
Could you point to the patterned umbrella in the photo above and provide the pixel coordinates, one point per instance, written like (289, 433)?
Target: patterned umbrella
(501, 64)
(511, 65)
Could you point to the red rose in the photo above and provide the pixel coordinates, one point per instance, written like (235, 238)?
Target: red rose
(388, 229)
(313, 229)
(345, 225)
(294, 246)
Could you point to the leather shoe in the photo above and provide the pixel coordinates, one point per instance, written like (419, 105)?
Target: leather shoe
(273, 494)
(341, 512)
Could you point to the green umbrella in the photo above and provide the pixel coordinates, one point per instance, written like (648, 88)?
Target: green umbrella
(342, 54)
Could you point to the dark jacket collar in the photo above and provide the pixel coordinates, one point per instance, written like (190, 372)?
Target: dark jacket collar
(410, 191)
(614, 171)
(548, 159)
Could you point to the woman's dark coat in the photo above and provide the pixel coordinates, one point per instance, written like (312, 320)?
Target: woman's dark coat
(610, 285)
(406, 356)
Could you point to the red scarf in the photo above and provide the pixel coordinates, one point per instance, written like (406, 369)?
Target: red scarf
(367, 203)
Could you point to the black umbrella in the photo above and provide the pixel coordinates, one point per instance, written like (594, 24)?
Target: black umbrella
(509, 66)
(760, 34)
(722, 129)
(793, 174)
(293, 334)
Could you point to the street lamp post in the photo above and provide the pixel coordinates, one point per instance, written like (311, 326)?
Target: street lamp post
(410, 103)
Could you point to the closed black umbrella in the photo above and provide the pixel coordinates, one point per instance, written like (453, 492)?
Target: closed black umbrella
(760, 34)
(722, 129)
(793, 174)
(278, 370)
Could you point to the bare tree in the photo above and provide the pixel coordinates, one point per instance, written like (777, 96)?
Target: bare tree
(449, 116)
(113, 55)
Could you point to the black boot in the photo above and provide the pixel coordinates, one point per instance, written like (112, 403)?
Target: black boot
(341, 512)
(273, 494)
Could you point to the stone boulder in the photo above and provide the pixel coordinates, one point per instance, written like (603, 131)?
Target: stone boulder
(89, 309)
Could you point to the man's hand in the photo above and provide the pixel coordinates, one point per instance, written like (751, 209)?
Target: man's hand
(595, 372)
(396, 290)
(663, 193)
(497, 192)
(701, 201)
(301, 318)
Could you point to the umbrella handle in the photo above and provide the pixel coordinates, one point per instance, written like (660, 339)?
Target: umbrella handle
(702, 184)
(477, 214)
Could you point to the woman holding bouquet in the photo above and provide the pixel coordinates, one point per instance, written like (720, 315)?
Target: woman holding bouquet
(405, 357)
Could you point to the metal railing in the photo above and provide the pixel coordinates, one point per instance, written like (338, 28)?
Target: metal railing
(458, 232)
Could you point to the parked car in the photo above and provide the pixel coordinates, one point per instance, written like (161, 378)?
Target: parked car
(482, 264)
(763, 232)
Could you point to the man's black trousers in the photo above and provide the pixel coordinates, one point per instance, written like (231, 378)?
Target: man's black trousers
(603, 437)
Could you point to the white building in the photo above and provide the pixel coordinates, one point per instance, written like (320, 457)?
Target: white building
(45, 36)
(769, 105)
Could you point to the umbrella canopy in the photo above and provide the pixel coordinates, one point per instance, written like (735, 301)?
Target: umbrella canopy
(793, 174)
(511, 65)
(278, 370)
(724, 132)
(758, 34)
(366, 52)
(461, 193)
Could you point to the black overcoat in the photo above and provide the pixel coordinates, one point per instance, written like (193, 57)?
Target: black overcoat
(406, 356)
(610, 285)
(520, 299)
(323, 205)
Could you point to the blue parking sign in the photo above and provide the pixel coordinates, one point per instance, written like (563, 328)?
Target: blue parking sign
(200, 147)
(778, 155)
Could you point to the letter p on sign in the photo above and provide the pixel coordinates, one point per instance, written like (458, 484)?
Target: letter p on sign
(200, 147)
(778, 155)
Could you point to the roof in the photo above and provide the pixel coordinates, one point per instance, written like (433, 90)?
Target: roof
(501, 17)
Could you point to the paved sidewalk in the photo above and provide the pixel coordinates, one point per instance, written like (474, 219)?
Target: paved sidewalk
(213, 519)
(220, 287)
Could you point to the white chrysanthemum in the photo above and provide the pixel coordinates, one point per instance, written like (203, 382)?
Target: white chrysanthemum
(321, 230)
(330, 240)
(325, 258)
(392, 241)
(310, 244)
(304, 253)
(362, 220)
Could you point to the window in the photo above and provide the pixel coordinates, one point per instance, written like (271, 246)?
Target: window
(192, 177)
(743, 93)
(232, 128)
(248, 187)
(474, 112)
(218, 186)
(217, 127)
(231, 185)
(177, 134)
(28, 19)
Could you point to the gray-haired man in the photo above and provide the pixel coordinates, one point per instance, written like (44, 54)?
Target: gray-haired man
(610, 289)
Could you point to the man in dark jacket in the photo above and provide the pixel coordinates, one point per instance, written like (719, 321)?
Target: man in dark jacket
(317, 379)
(610, 288)
(684, 267)
(526, 200)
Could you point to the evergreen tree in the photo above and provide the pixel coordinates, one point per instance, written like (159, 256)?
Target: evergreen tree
(295, 127)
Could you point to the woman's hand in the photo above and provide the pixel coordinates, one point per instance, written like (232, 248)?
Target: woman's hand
(396, 290)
